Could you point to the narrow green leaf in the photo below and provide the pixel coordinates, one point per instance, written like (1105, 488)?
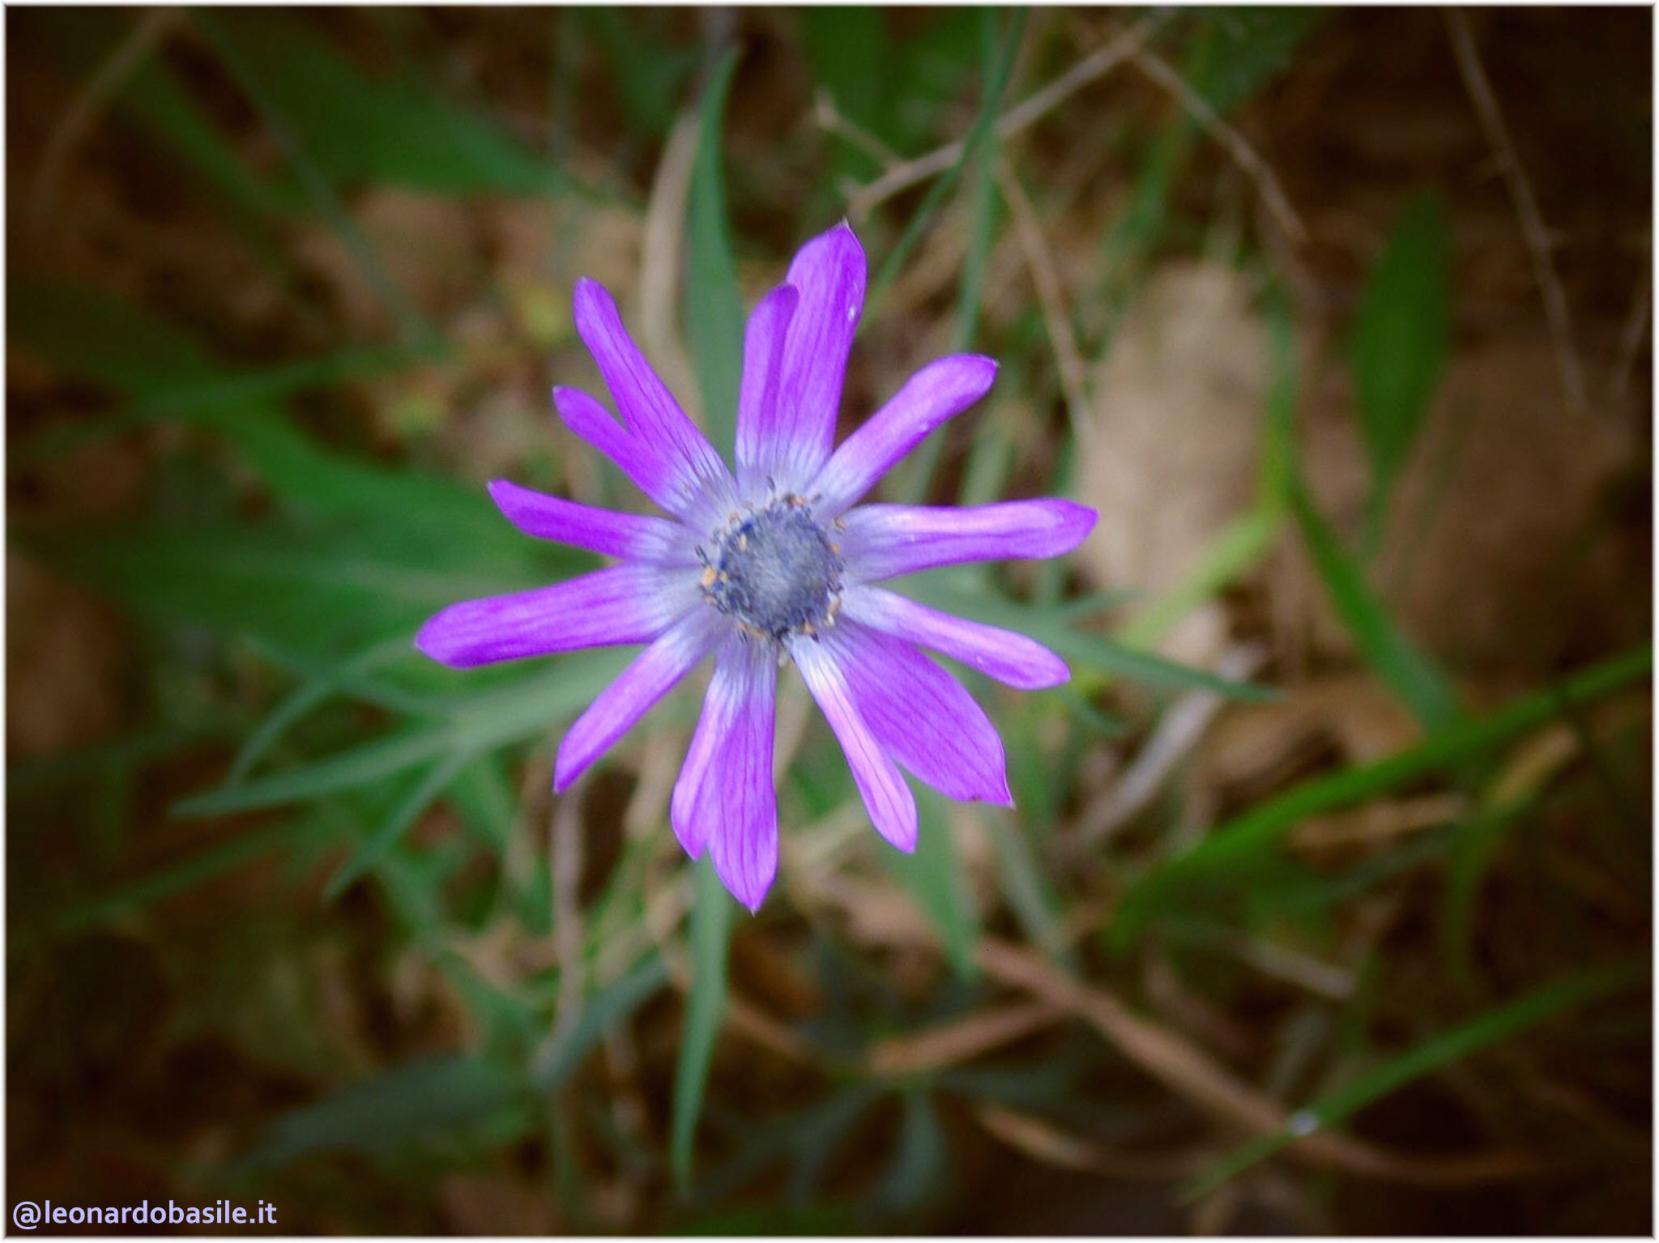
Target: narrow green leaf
(403, 817)
(492, 719)
(713, 305)
(933, 875)
(600, 1013)
(1255, 835)
(1407, 671)
(1453, 1046)
(711, 925)
(1402, 339)
(420, 1100)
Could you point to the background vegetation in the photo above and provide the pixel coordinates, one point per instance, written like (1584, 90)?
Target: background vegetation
(1326, 904)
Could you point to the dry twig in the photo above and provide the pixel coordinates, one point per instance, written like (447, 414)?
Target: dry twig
(1533, 228)
(1244, 155)
(1091, 68)
(1190, 1072)
(1045, 276)
(82, 113)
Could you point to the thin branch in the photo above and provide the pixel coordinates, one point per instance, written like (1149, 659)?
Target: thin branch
(1191, 1073)
(83, 112)
(1091, 68)
(1533, 228)
(1045, 276)
(1212, 123)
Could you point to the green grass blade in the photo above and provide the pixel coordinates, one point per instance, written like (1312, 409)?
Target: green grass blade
(1489, 1029)
(1385, 648)
(934, 878)
(380, 843)
(713, 305)
(600, 1013)
(1256, 834)
(711, 926)
(520, 710)
(424, 1099)
(1402, 339)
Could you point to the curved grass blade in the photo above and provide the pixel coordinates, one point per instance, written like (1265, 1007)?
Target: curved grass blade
(713, 305)
(1399, 662)
(711, 924)
(1487, 1030)
(371, 852)
(1254, 836)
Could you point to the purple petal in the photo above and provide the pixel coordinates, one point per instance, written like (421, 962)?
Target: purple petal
(891, 806)
(633, 537)
(621, 604)
(921, 715)
(1001, 654)
(643, 465)
(738, 804)
(653, 673)
(648, 409)
(938, 391)
(743, 674)
(758, 405)
(885, 540)
(828, 272)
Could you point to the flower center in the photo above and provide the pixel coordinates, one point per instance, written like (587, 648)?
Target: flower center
(775, 571)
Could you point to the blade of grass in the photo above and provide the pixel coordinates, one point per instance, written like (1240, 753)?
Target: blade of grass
(1402, 338)
(711, 925)
(1407, 671)
(381, 842)
(1488, 1029)
(248, 72)
(1257, 833)
(492, 719)
(933, 876)
(713, 309)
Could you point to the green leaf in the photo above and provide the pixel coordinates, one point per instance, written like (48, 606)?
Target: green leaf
(418, 1101)
(600, 1013)
(1407, 671)
(1453, 1046)
(522, 709)
(363, 129)
(380, 843)
(933, 875)
(1253, 837)
(919, 1167)
(711, 925)
(1402, 338)
(713, 305)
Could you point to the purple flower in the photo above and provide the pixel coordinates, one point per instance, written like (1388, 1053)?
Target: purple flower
(779, 561)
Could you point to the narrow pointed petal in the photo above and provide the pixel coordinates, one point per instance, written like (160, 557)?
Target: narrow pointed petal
(759, 409)
(886, 797)
(646, 469)
(651, 675)
(1008, 657)
(829, 273)
(882, 541)
(621, 604)
(922, 716)
(744, 674)
(937, 392)
(633, 537)
(739, 802)
(648, 409)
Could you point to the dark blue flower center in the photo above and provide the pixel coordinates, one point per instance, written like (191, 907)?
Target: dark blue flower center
(776, 571)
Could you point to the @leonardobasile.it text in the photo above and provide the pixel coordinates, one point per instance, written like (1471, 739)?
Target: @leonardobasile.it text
(33, 1214)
